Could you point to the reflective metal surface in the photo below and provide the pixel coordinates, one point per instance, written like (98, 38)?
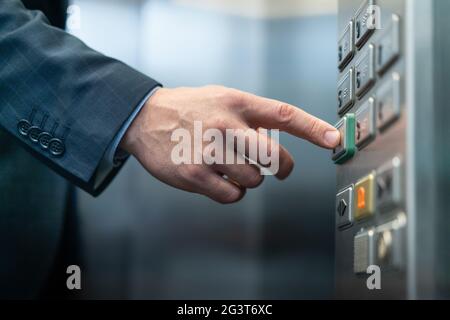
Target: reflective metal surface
(409, 155)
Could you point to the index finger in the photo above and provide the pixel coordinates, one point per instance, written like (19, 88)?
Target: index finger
(273, 114)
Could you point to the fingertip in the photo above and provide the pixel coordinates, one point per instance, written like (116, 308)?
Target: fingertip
(285, 170)
(332, 138)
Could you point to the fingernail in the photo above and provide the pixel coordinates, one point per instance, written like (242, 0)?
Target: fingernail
(332, 138)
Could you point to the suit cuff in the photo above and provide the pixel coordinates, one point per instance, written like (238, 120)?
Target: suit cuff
(114, 156)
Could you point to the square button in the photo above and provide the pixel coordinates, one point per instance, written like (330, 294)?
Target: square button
(388, 102)
(365, 124)
(364, 71)
(346, 149)
(346, 92)
(344, 208)
(365, 197)
(389, 185)
(390, 244)
(388, 49)
(363, 23)
(346, 48)
(363, 251)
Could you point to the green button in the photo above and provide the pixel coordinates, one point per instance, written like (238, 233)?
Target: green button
(347, 149)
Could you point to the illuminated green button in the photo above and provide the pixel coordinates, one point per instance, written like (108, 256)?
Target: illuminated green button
(346, 150)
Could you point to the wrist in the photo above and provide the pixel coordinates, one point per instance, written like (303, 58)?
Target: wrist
(131, 136)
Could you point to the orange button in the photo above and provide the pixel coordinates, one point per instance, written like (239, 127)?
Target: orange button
(361, 198)
(365, 197)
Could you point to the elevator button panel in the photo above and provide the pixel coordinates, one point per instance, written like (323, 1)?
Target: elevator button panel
(364, 23)
(365, 124)
(388, 102)
(346, 47)
(363, 251)
(389, 185)
(388, 48)
(346, 149)
(371, 199)
(364, 72)
(344, 208)
(346, 92)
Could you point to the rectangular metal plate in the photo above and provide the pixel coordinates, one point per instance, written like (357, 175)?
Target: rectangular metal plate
(365, 124)
(388, 102)
(388, 46)
(363, 251)
(390, 244)
(346, 48)
(362, 31)
(344, 208)
(346, 92)
(364, 71)
(365, 197)
(389, 185)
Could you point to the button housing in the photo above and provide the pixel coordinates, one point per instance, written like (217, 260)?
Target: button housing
(363, 251)
(346, 47)
(364, 72)
(344, 208)
(390, 239)
(365, 197)
(389, 185)
(388, 102)
(365, 124)
(346, 92)
(362, 31)
(388, 48)
(347, 149)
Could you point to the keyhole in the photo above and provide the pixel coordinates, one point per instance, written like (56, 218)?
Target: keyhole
(358, 79)
(358, 29)
(340, 53)
(340, 99)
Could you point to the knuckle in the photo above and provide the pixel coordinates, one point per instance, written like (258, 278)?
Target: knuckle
(229, 97)
(221, 124)
(285, 113)
(314, 128)
(194, 173)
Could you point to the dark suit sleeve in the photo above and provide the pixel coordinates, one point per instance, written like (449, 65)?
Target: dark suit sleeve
(64, 101)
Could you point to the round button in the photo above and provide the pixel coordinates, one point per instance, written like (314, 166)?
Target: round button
(44, 140)
(56, 147)
(24, 126)
(34, 133)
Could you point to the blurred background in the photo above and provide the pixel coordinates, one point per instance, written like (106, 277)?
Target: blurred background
(144, 240)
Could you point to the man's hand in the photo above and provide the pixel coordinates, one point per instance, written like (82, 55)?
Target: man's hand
(149, 137)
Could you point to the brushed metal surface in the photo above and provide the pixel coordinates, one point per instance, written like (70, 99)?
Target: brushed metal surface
(387, 145)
